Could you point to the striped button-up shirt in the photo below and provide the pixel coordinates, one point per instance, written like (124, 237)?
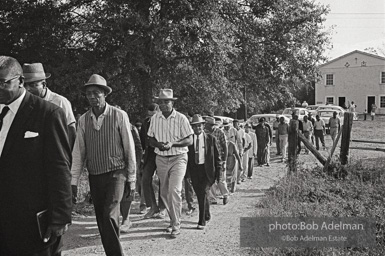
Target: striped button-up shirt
(104, 144)
(171, 129)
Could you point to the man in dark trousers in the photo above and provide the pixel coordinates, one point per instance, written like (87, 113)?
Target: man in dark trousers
(204, 166)
(157, 210)
(35, 160)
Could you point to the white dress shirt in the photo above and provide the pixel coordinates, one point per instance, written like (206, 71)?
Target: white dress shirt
(8, 119)
(201, 149)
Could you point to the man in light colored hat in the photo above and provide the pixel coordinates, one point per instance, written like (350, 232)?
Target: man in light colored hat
(170, 134)
(35, 83)
(204, 166)
(252, 152)
(210, 128)
(104, 144)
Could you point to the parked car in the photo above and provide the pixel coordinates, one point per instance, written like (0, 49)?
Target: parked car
(221, 118)
(312, 108)
(325, 115)
(332, 107)
(301, 112)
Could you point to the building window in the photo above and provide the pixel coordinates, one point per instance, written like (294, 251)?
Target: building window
(330, 100)
(382, 101)
(383, 77)
(329, 79)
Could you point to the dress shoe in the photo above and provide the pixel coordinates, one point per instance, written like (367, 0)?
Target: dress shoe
(175, 233)
(214, 202)
(161, 214)
(267, 164)
(200, 227)
(190, 211)
(169, 229)
(225, 200)
(150, 214)
(125, 227)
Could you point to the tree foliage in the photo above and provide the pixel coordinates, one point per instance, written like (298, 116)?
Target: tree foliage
(209, 51)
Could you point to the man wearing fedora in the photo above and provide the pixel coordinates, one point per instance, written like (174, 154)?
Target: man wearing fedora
(35, 162)
(211, 128)
(170, 134)
(104, 144)
(35, 83)
(204, 166)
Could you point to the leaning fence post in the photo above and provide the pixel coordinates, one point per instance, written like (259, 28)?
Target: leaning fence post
(345, 141)
(292, 147)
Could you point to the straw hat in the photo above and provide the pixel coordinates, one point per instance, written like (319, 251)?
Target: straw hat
(34, 72)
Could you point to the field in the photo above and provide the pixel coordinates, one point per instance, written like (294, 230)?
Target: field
(312, 193)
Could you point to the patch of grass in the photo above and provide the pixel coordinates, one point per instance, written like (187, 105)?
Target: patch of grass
(314, 193)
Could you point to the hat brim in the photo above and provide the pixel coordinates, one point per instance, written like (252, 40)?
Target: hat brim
(107, 89)
(158, 98)
(34, 79)
(198, 122)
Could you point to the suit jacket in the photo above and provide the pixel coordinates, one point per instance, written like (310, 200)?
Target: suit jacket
(34, 175)
(212, 159)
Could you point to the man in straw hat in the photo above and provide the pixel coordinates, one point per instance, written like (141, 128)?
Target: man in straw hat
(35, 162)
(104, 143)
(170, 134)
(204, 166)
(35, 83)
(211, 128)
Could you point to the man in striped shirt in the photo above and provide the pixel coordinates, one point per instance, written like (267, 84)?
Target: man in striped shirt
(104, 143)
(170, 134)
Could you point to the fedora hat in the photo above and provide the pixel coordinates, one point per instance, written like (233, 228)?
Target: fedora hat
(166, 94)
(197, 119)
(226, 122)
(34, 72)
(97, 80)
(210, 120)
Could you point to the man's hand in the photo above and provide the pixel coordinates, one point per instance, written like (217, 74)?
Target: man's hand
(74, 189)
(167, 145)
(240, 154)
(54, 231)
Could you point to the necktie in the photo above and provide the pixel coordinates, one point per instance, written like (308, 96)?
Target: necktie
(197, 151)
(2, 115)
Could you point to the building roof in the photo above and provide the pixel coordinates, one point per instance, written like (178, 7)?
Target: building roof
(356, 51)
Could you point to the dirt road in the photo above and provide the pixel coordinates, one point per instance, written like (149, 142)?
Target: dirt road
(148, 237)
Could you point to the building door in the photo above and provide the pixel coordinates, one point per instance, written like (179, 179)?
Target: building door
(371, 100)
(341, 101)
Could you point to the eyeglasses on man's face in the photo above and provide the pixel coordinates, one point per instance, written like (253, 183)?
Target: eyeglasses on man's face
(5, 82)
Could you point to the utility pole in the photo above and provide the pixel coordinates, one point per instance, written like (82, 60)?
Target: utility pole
(245, 103)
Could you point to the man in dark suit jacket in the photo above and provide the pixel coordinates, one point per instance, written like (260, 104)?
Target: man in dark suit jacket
(203, 166)
(35, 160)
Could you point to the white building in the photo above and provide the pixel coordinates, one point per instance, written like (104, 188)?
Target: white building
(356, 76)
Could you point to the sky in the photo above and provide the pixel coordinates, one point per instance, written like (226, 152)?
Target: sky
(358, 24)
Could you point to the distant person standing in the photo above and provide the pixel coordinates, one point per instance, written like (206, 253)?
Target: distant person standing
(104, 144)
(263, 132)
(335, 125)
(252, 152)
(283, 133)
(352, 109)
(171, 134)
(275, 129)
(373, 111)
(307, 130)
(35, 83)
(319, 131)
(305, 104)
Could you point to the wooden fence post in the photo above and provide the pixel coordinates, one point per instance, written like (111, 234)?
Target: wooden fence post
(345, 141)
(312, 149)
(293, 143)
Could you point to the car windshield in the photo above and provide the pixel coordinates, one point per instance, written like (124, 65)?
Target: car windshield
(326, 114)
(289, 111)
